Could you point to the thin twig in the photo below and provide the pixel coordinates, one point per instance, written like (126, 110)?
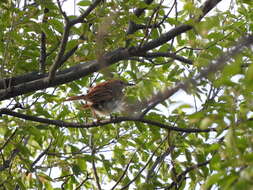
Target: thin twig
(60, 54)
(80, 19)
(206, 7)
(81, 184)
(61, 11)
(159, 160)
(124, 172)
(132, 26)
(43, 52)
(41, 155)
(181, 176)
(93, 152)
(155, 12)
(7, 163)
(8, 140)
(167, 54)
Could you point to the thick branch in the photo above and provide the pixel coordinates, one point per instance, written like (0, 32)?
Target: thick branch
(37, 75)
(65, 76)
(160, 97)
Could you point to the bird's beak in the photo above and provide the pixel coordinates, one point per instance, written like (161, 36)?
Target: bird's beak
(130, 84)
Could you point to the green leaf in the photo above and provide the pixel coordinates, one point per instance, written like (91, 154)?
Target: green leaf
(76, 169)
(24, 150)
(188, 155)
(211, 180)
(84, 3)
(42, 111)
(43, 177)
(58, 25)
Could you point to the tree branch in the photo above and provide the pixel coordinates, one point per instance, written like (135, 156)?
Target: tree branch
(68, 24)
(81, 184)
(159, 159)
(93, 151)
(38, 82)
(213, 67)
(61, 124)
(7, 163)
(69, 53)
(145, 166)
(43, 52)
(137, 12)
(8, 140)
(60, 54)
(132, 26)
(124, 172)
(86, 13)
(155, 25)
(44, 152)
(208, 5)
(61, 11)
(62, 77)
(183, 174)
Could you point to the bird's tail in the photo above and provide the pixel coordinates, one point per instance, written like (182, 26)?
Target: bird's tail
(86, 106)
(82, 97)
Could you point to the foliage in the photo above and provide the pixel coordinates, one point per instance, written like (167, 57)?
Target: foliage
(201, 137)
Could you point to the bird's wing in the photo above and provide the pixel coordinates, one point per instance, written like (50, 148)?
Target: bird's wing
(99, 94)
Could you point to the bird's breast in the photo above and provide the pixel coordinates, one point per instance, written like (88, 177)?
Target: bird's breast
(106, 108)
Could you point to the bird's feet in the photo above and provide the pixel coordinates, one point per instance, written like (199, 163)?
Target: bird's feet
(113, 117)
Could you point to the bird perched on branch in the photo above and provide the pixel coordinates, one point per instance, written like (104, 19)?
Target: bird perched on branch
(104, 98)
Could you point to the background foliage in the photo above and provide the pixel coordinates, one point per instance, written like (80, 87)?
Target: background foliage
(199, 138)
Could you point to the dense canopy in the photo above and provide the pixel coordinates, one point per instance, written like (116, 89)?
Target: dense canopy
(191, 119)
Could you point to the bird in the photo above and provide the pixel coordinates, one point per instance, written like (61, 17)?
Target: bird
(104, 98)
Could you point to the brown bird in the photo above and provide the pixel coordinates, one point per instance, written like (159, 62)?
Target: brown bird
(104, 98)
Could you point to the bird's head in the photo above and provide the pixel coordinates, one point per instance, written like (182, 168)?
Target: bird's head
(120, 84)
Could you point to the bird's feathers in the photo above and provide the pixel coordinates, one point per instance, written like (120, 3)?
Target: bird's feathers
(82, 97)
(104, 98)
